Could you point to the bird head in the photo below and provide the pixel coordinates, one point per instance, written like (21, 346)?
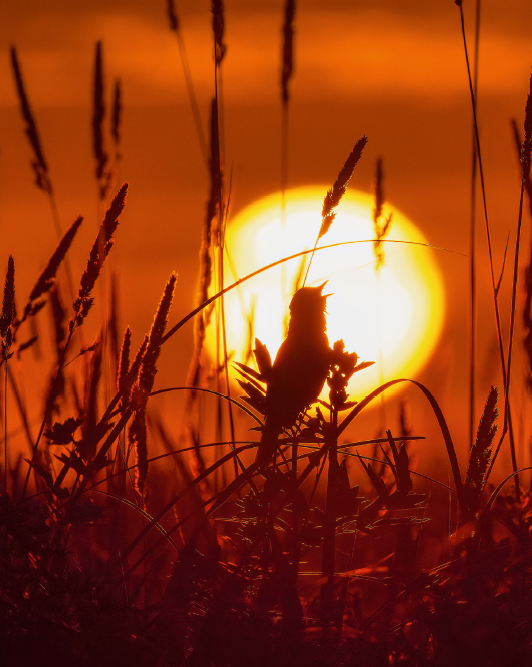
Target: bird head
(308, 301)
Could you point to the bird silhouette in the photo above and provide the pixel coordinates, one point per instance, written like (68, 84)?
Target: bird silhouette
(298, 373)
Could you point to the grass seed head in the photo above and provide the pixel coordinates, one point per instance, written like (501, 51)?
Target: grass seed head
(99, 251)
(8, 304)
(335, 194)
(480, 456)
(116, 112)
(100, 154)
(47, 277)
(381, 223)
(218, 28)
(138, 438)
(148, 369)
(527, 141)
(171, 13)
(38, 164)
(288, 48)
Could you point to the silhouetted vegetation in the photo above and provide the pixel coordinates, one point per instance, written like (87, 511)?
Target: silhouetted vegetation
(227, 559)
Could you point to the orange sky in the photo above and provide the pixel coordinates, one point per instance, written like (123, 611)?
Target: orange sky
(394, 71)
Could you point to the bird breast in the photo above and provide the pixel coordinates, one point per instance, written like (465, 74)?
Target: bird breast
(298, 375)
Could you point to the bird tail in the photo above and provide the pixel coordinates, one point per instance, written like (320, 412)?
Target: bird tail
(268, 443)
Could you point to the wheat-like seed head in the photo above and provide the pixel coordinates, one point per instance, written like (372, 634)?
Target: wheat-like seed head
(335, 194)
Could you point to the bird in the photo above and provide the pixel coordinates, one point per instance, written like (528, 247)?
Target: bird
(299, 370)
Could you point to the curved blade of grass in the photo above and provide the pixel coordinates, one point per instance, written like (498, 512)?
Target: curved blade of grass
(213, 298)
(181, 494)
(183, 450)
(437, 412)
(215, 393)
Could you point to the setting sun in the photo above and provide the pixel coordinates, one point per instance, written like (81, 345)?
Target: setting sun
(392, 315)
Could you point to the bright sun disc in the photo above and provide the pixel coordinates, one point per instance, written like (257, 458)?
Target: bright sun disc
(392, 316)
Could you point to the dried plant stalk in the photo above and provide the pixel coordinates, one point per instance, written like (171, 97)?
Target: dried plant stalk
(58, 320)
(519, 147)
(218, 28)
(381, 223)
(288, 49)
(116, 118)
(144, 385)
(8, 304)
(38, 164)
(479, 457)
(148, 368)
(335, 194)
(175, 26)
(47, 277)
(100, 154)
(214, 203)
(250, 320)
(139, 439)
(525, 160)
(127, 376)
(112, 324)
(527, 274)
(505, 366)
(90, 404)
(139, 356)
(100, 249)
(123, 365)
(527, 141)
(206, 271)
(7, 317)
(171, 13)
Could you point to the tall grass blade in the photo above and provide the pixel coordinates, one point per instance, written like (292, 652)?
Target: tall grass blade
(507, 426)
(175, 26)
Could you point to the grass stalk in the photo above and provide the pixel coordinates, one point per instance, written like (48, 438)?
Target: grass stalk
(39, 164)
(278, 262)
(507, 426)
(327, 606)
(472, 237)
(287, 67)
(222, 245)
(175, 26)
(5, 428)
(83, 302)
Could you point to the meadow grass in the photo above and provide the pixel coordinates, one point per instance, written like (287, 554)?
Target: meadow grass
(219, 560)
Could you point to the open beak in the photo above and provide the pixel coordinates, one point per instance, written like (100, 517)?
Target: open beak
(320, 287)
